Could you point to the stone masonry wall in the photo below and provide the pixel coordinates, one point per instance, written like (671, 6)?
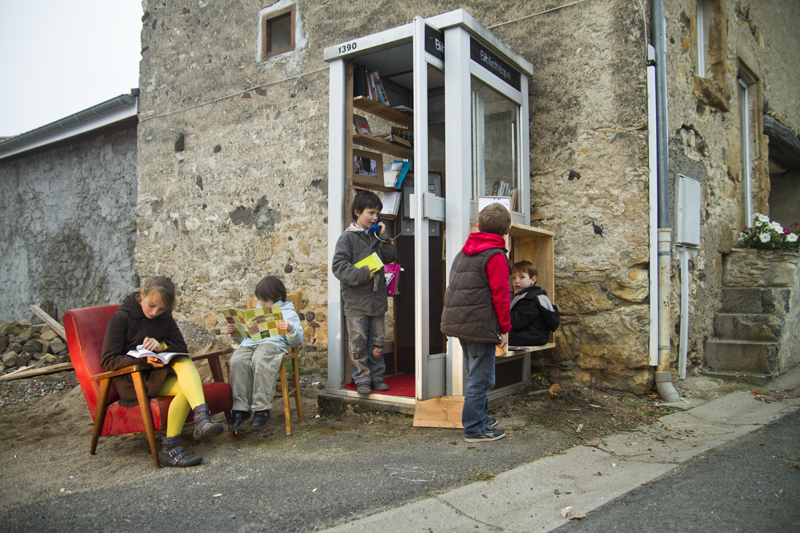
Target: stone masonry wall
(233, 159)
(69, 221)
(705, 143)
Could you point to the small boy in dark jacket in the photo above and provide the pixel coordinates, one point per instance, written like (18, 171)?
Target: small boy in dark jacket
(529, 324)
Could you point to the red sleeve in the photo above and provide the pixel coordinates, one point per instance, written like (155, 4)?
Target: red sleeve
(498, 275)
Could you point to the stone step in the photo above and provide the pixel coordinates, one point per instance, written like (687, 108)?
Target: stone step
(752, 378)
(767, 300)
(748, 327)
(740, 356)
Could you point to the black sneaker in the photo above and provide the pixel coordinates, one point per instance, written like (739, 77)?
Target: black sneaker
(364, 388)
(237, 420)
(490, 435)
(260, 419)
(491, 422)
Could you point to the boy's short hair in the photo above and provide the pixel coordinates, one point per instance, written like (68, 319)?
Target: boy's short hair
(164, 287)
(365, 200)
(494, 218)
(525, 267)
(271, 289)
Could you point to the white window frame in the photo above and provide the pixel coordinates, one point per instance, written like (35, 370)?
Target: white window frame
(746, 82)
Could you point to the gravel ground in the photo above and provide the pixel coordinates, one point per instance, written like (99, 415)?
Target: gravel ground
(21, 390)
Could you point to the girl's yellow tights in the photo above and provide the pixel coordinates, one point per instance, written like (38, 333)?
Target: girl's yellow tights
(187, 391)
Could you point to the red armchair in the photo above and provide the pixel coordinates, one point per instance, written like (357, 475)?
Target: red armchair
(86, 329)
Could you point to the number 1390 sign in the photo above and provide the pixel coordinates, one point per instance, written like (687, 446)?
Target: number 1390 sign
(349, 47)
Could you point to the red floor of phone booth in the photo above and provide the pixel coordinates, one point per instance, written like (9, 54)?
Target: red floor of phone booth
(401, 385)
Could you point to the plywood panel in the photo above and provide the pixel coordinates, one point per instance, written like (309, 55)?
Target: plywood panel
(441, 412)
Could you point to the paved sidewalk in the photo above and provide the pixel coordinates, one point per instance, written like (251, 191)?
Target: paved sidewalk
(531, 497)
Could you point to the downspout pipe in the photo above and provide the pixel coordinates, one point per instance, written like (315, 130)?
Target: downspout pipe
(663, 375)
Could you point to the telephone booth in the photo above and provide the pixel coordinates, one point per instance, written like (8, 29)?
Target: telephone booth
(447, 96)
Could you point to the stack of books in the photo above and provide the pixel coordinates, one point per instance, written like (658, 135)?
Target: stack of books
(369, 84)
(502, 188)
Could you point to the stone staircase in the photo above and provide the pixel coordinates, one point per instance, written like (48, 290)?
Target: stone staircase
(757, 330)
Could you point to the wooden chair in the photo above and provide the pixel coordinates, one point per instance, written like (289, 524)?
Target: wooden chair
(283, 387)
(86, 329)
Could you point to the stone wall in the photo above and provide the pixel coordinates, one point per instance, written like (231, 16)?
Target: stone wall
(233, 157)
(704, 124)
(69, 221)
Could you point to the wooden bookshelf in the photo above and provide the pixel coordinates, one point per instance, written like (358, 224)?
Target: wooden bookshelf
(383, 111)
(371, 186)
(381, 145)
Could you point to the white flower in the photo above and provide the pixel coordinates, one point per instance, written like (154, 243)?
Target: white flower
(792, 237)
(765, 237)
(776, 226)
(762, 218)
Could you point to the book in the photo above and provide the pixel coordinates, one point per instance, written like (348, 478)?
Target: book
(394, 172)
(391, 202)
(402, 136)
(381, 92)
(372, 261)
(256, 324)
(362, 126)
(404, 109)
(392, 279)
(164, 357)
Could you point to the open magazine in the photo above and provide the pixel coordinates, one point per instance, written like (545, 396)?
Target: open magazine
(256, 324)
(164, 357)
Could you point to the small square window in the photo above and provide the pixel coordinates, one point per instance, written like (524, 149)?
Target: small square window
(278, 32)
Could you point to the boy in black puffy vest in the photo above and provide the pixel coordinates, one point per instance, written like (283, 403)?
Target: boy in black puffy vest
(476, 311)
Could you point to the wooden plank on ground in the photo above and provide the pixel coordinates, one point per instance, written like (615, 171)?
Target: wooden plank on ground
(441, 412)
(50, 321)
(36, 371)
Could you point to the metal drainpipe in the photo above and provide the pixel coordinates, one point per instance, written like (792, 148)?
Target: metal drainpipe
(663, 375)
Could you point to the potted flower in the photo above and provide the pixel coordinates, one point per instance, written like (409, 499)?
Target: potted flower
(767, 235)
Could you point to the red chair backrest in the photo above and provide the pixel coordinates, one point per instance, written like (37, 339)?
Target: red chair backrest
(86, 330)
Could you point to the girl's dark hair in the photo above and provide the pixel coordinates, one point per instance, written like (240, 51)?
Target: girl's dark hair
(365, 200)
(164, 287)
(271, 289)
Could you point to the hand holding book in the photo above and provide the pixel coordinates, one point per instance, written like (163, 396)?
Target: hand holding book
(156, 359)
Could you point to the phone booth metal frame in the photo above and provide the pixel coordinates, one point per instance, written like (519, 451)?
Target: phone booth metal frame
(453, 49)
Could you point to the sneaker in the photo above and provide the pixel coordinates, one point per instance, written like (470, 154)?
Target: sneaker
(260, 419)
(491, 422)
(490, 435)
(237, 420)
(380, 385)
(363, 388)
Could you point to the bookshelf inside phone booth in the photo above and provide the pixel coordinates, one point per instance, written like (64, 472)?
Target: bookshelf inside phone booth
(393, 66)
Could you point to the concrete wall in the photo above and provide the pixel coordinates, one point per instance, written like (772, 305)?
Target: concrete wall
(69, 226)
(233, 157)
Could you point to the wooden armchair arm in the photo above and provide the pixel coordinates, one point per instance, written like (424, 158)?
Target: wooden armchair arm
(211, 356)
(121, 372)
(201, 356)
(213, 363)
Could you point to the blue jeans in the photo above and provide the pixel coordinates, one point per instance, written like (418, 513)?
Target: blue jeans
(365, 336)
(479, 359)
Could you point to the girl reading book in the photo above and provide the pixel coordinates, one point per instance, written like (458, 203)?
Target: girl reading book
(145, 318)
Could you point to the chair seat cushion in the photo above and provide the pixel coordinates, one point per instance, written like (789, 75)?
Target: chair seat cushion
(119, 420)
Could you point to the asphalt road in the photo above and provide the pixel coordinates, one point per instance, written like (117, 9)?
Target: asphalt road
(744, 485)
(308, 482)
